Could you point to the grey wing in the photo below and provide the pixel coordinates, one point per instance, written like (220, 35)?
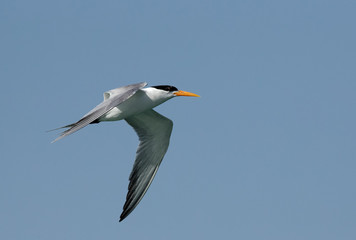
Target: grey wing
(154, 131)
(120, 95)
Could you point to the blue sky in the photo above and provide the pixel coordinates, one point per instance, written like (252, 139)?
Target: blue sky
(267, 152)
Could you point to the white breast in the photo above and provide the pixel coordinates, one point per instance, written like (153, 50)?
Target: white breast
(141, 101)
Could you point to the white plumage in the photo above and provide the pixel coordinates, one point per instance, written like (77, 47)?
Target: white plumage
(134, 104)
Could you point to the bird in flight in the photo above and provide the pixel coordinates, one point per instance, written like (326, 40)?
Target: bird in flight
(135, 104)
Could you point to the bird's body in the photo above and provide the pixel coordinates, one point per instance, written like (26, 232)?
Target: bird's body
(143, 99)
(135, 104)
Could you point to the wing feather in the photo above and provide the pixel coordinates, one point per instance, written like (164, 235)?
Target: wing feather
(120, 95)
(154, 131)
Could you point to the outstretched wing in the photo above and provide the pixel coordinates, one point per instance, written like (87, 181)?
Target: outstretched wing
(117, 96)
(154, 131)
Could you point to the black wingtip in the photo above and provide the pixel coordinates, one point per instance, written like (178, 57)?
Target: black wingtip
(122, 218)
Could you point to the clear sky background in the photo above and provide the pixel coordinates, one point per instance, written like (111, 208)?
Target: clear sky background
(267, 152)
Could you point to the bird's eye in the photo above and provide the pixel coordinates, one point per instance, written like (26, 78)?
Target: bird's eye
(166, 88)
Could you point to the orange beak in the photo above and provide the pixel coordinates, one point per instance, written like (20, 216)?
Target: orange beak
(184, 93)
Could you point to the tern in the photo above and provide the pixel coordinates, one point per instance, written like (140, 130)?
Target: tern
(135, 104)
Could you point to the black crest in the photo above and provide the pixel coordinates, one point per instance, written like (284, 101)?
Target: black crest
(166, 88)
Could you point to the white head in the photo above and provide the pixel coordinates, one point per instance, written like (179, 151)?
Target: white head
(161, 93)
(171, 91)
